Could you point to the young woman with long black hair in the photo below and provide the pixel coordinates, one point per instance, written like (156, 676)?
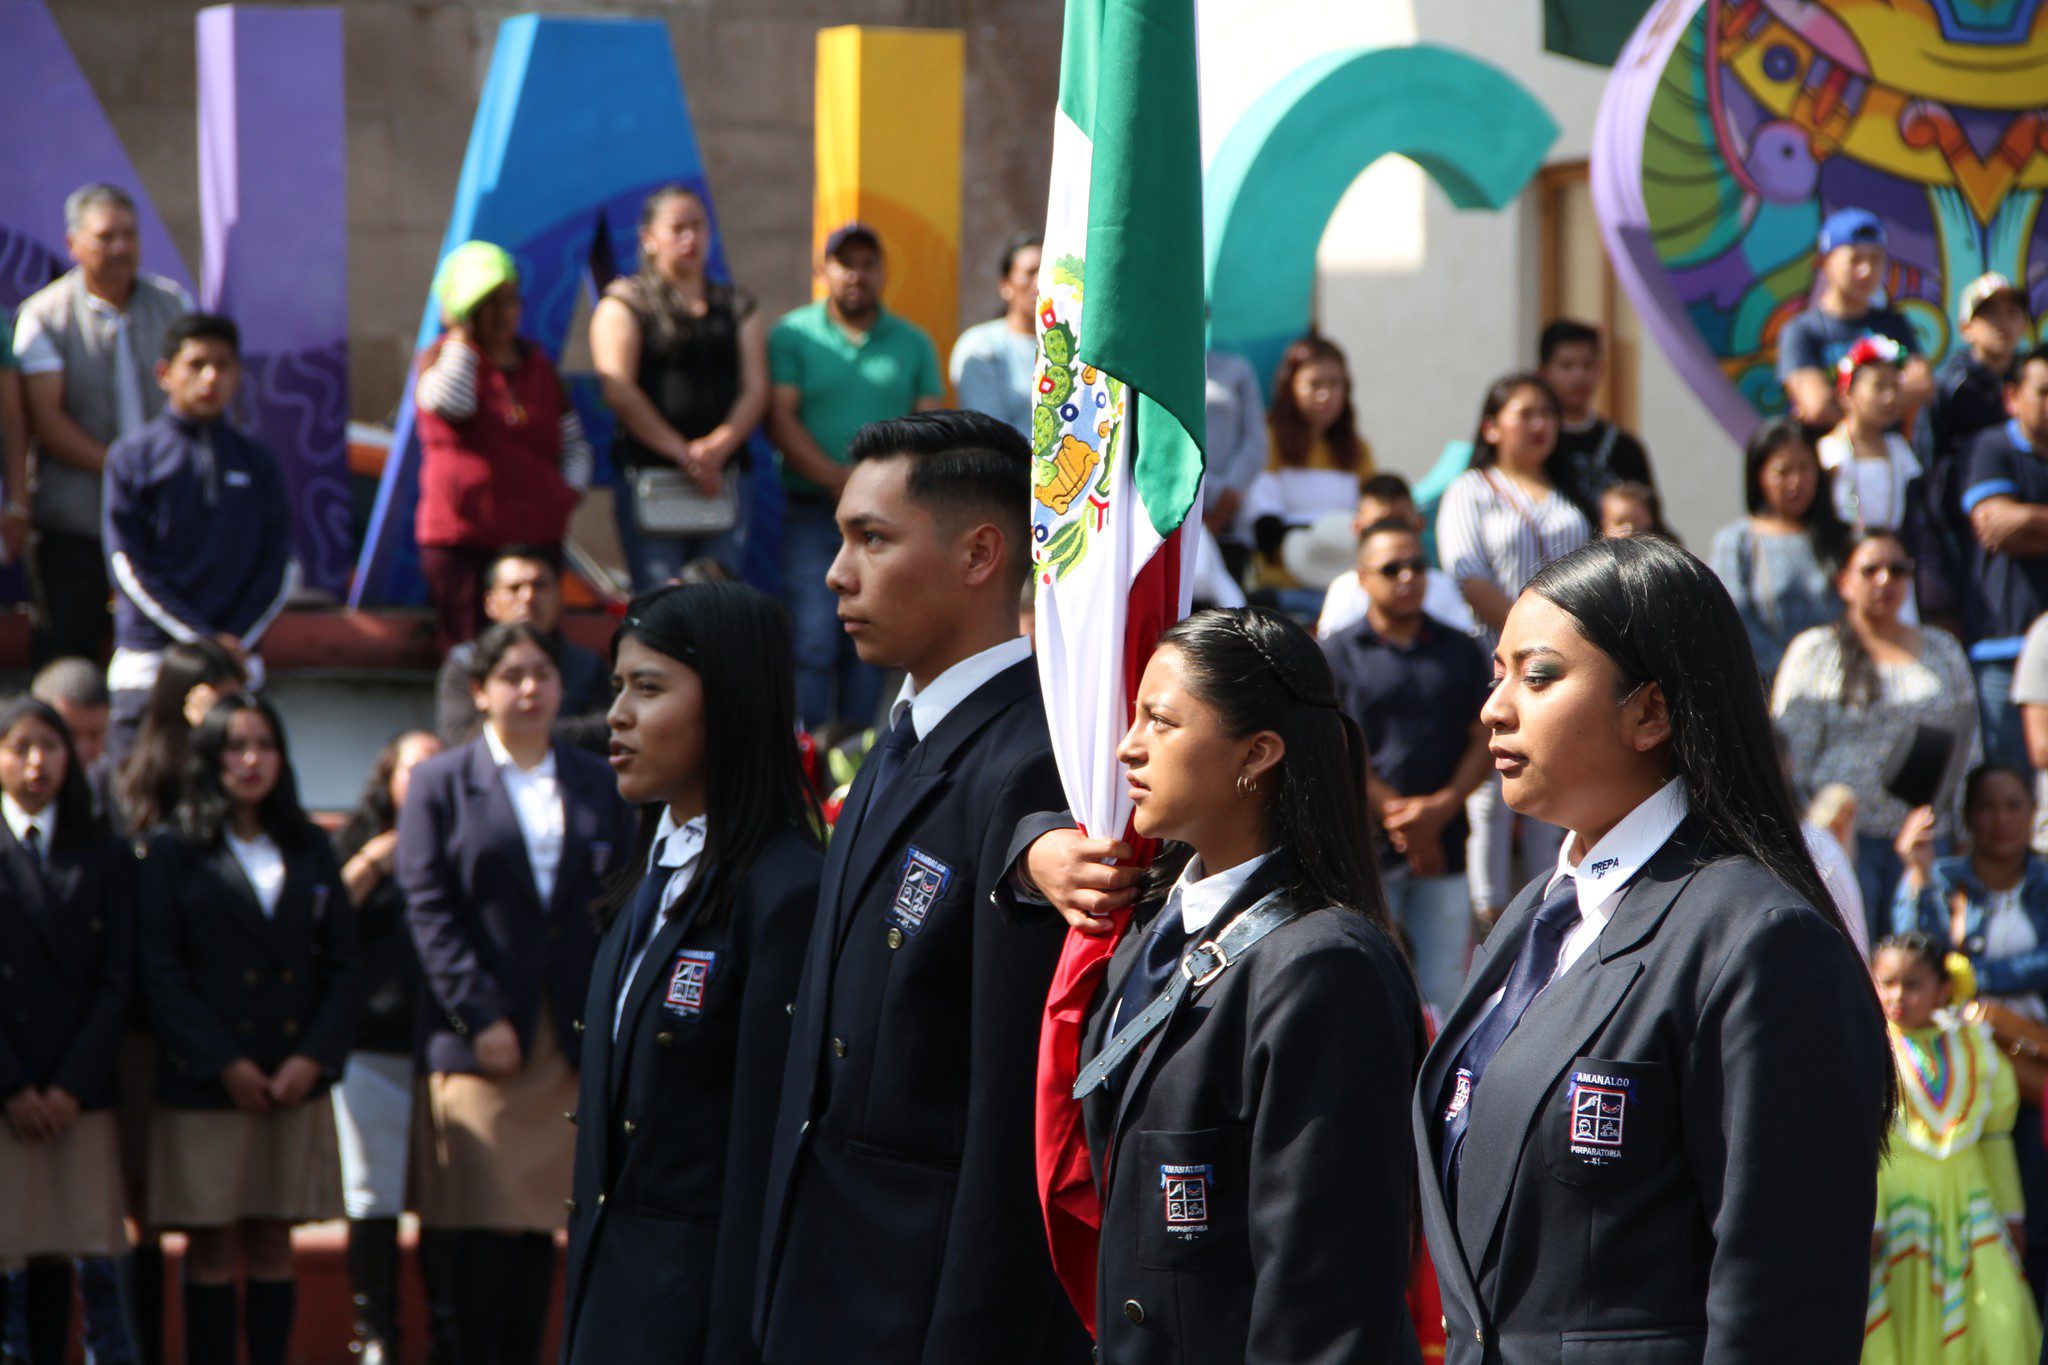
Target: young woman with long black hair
(1245, 1095)
(688, 1017)
(1650, 1129)
(503, 847)
(249, 970)
(67, 910)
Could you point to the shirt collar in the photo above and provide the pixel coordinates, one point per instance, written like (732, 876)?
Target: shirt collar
(1200, 896)
(1622, 851)
(502, 757)
(2017, 434)
(677, 846)
(19, 821)
(932, 704)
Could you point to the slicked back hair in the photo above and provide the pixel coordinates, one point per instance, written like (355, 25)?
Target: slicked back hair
(965, 467)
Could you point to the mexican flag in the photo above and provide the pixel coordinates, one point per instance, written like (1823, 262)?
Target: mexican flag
(1117, 454)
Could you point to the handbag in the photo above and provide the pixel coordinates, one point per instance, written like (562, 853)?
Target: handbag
(2023, 1041)
(666, 503)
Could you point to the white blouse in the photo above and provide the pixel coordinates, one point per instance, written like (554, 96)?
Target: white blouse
(263, 864)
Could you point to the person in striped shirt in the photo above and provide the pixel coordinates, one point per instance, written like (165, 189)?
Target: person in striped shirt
(503, 456)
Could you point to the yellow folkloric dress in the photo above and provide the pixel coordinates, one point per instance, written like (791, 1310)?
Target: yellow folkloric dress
(1945, 1282)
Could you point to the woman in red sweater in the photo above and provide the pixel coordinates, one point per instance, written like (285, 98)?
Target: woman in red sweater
(503, 456)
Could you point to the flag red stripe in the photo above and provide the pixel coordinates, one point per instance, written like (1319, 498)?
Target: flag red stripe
(1066, 1185)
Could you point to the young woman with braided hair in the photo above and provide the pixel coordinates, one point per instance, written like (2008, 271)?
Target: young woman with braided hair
(1252, 1048)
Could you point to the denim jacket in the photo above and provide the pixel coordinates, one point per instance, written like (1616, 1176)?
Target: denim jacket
(1928, 912)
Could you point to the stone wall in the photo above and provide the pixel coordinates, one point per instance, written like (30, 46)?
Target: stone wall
(414, 68)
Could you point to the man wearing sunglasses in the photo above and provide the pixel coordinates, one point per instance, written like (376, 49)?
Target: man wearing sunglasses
(1415, 686)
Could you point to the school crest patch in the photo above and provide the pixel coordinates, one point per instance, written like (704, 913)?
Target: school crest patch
(1461, 1095)
(1186, 1192)
(689, 980)
(924, 880)
(1599, 1117)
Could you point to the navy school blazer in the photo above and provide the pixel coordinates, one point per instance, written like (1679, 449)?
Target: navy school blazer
(223, 981)
(675, 1118)
(489, 949)
(902, 1218)
(1256, 1168)
(67, 950)
(1673, 1158)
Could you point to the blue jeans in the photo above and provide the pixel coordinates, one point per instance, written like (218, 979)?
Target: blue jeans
(1436, 913)
(656, 560)
(2005, 740)
(1877, 873)
(832, 684)
(108, 1337)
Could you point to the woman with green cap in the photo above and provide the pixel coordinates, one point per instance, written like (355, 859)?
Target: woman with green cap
(503, 457)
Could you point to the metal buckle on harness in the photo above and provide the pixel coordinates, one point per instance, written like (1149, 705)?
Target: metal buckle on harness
(1219, 960)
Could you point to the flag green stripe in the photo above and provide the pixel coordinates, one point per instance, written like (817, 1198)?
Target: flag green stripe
(1143, 322)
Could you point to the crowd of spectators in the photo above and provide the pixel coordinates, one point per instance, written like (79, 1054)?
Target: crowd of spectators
(1891, 568)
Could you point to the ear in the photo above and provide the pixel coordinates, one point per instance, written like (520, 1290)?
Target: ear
(163, 368)
(983, 554)
(1646, 719)
(476, 695)
(1263, 752)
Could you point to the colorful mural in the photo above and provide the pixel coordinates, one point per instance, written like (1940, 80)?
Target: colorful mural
(1731, 128)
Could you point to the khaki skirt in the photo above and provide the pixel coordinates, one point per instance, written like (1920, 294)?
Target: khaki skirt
(497, 1156)
(211, 1168)
(62, 1198)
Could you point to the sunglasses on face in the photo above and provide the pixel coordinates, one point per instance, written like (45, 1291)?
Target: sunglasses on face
(1398, 567)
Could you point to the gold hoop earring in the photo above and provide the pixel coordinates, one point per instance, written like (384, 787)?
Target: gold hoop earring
(1246, 785)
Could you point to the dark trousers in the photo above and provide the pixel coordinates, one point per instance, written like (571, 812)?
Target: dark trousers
(67, 590)
(455, 587)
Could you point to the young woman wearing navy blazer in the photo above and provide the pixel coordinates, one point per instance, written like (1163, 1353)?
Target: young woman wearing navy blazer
(1252, 1153)
(249, 971)
(67, 890)
(503, 846)
(1649, 1130)
(688, 1018)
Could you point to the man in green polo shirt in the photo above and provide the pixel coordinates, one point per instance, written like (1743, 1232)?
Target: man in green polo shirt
(836, 365)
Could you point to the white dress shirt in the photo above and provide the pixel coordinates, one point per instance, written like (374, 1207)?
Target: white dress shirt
(678, 850)
(19, 821)
(263, 865)
(934, 703)
(1604, 872)
(537, 803)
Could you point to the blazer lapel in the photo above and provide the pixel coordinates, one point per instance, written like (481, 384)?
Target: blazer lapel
(668, 933)
(840, 847)
(1270, 874)
(489, 786)
(1559, 1025)
(580, 861)
(248, 908)
(923, 773)
(31, 884)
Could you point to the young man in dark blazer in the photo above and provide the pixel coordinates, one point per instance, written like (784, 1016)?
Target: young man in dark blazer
(902, 1222)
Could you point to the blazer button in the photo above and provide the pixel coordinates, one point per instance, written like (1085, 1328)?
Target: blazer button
(249, 978)
(247, 1028)
(838, 1047)
(6, 970)
(569, 1204)
(1479, 1335)
(1134, 1310)
(664, 1038)
(600, 1201)
(286, 977)
(630, 1127)
(576, 1025)
(895, 938)
(291, 1028)
(97, 924)
(790, 1009)
(569, 1114)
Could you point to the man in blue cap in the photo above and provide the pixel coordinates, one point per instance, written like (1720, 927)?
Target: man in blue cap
(1852, 271)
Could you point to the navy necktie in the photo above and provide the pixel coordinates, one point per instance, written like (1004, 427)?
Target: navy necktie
(645, 909)
(1526, 980)
(33, 841)
(1166, 942)
(887, 756)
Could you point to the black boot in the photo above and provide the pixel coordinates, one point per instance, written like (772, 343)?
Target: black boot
(486, 1296)
(267, 1310)
(48, 1291)
(440, 1255)
(526, 1317)
(145, 1288)
(373, 1276)
(209, 1323)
